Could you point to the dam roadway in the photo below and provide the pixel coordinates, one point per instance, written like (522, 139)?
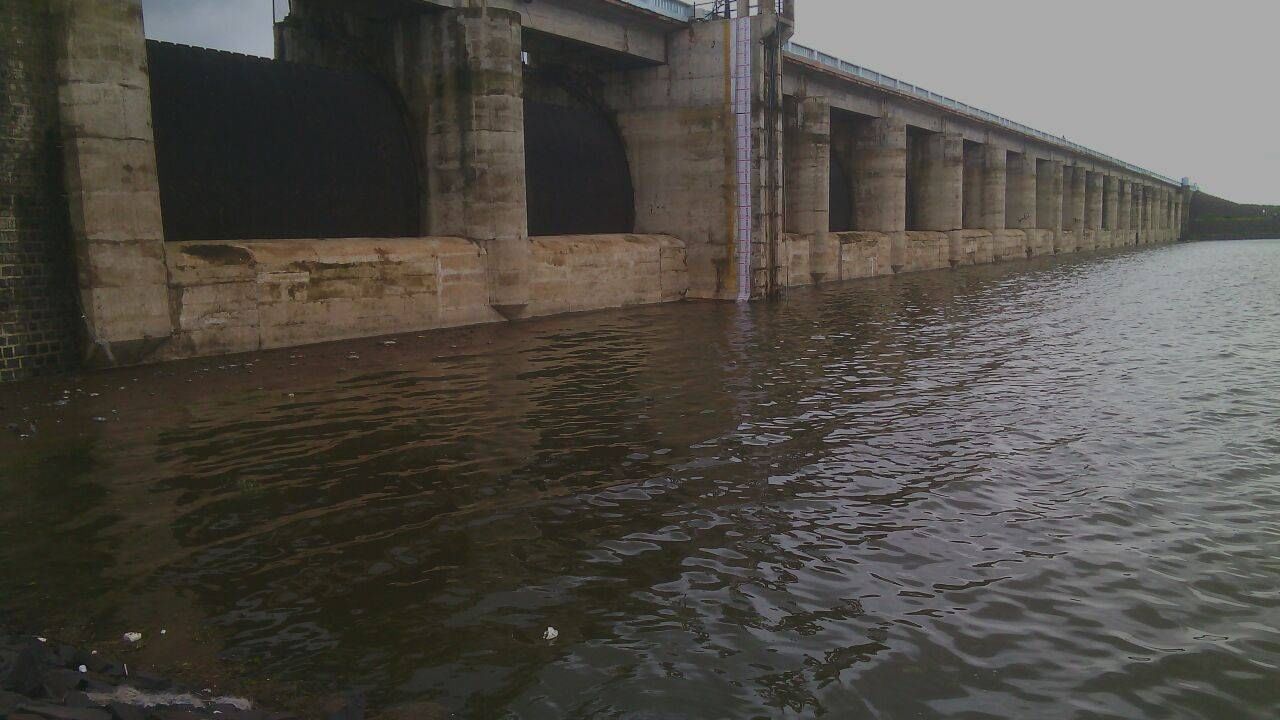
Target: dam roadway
(404, 165)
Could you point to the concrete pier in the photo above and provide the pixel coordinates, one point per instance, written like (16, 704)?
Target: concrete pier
(1021, 198)
(707, 157)
(880, 177)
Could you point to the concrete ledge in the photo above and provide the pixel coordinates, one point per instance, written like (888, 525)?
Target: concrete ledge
(1008, 245)
(576, 273)
(971, 247)
(915, 251)
(237, 296)
(864, 254)
(1087, 241)
(229, 297)
(1065, 242)
(797, 251)
(1040, 242)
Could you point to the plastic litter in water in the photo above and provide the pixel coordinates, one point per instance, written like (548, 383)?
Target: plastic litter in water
(550, 634)
(132, 637)
(83, 669)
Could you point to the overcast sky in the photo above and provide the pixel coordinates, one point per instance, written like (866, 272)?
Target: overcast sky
(1181, 88)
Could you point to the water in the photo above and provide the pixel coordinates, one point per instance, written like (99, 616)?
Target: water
(1046, 489)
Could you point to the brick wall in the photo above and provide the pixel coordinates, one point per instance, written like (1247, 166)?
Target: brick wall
(37, 302)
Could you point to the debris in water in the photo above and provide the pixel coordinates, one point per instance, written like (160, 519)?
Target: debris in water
(389, 343)
(132, 637)
(550, 634)
(83, 669)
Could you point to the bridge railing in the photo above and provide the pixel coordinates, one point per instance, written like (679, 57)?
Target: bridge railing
(892, 83)
(713, 9)
(720, 9)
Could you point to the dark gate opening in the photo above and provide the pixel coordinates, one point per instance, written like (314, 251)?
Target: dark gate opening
(577, 177)
(251, 148)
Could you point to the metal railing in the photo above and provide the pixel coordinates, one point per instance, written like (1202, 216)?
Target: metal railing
(892, 83)
(721, 9)
(673, 9)
(710, 9)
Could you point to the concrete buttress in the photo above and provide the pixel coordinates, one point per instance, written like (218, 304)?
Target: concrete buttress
(880, 181)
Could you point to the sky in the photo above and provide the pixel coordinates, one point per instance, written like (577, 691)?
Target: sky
(1186, 89)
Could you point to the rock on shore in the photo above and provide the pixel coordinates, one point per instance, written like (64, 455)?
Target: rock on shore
(41, 680)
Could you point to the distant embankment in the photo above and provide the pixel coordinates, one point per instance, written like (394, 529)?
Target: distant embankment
(1213, 218)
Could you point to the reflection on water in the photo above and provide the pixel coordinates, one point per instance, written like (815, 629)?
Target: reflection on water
(1046, 489)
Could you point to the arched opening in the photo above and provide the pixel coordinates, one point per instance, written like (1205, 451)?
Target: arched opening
(252, 148)
(577, 177)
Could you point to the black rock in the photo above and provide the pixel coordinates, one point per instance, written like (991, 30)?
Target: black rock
(347, 707)
(149, 682)
(10, 702)
(174, 714)
(66, 656)
(61, 712)
(59, 682)
(122, 711)
(75, 698)
(231, 712)
(26, 675)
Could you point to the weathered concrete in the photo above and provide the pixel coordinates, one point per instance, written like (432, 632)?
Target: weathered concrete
(1041, 242)
(937, 182)
(880, 180)
(1007, 245)
(1020, 199)
(109, 168)
(807, 193)
(1110, 203)
(1073, 198)
(918, 250)
(1049, 194)
(985, 186)
(730, 152)
(865, 254)
(1094, 201)
(239, 296)
(1124, 213)
(971, 247)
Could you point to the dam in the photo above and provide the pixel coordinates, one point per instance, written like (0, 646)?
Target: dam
(408, 165)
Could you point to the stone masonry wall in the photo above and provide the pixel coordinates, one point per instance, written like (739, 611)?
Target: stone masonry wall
(238, 296)
(37, 303)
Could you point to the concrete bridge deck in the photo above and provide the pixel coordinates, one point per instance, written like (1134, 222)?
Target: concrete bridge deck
(549, 156)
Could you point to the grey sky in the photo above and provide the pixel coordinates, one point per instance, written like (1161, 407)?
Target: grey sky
(1178, 87)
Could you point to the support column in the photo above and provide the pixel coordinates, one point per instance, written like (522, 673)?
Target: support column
(1020, 199)
(1124, 213)
(1050, 184)
(807, 180)
(994, 185)
(470, 74)
(110, 175)
(1110, 203)
(880, 179)
(1147, 193)
(1094, 201)
(938, 162)
(1073, 198)
(1135, 208)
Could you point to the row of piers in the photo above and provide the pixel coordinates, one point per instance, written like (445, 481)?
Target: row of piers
(401, 166)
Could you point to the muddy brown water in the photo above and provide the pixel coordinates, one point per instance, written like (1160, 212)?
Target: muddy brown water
(1046, 489)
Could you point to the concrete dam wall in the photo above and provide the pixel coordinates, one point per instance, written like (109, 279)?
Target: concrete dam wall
(405, 165)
